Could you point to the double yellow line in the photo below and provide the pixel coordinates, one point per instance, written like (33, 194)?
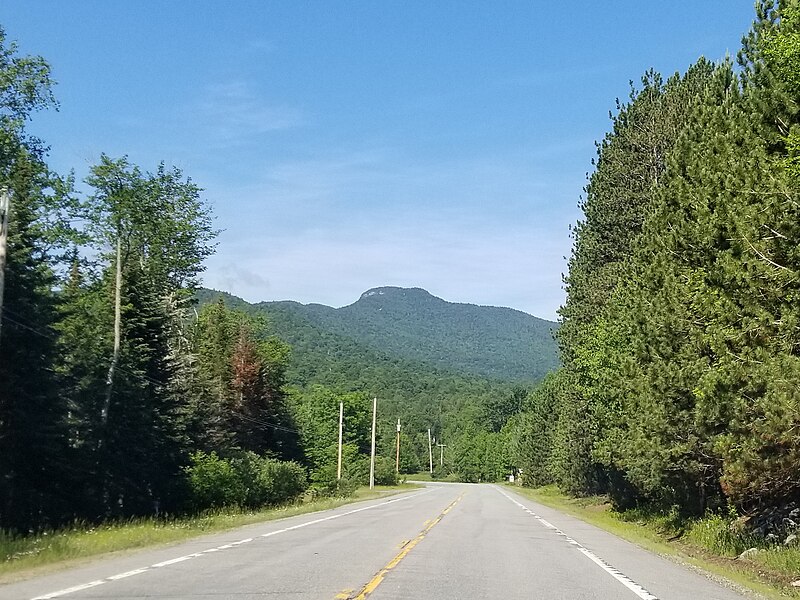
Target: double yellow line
(376, 581)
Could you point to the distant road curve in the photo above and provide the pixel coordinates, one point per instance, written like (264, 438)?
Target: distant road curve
(447, 541)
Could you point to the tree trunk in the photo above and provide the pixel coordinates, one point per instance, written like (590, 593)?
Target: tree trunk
(117, 334)
(5, 209)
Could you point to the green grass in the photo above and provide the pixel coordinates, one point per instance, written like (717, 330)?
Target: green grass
(426, 476)
(708, 543)
(27, 555)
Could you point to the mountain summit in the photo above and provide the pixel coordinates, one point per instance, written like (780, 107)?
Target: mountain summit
(484, 340)
(390, 291)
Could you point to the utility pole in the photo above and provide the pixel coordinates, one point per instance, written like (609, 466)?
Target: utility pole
(430, 450)
(397, 453)
(372, 457)
(5, 208)
(441, 454)
(341, 422)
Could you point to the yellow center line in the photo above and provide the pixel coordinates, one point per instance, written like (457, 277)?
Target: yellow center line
(376, 581)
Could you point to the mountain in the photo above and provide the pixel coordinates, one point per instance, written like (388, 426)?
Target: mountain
(410, 326)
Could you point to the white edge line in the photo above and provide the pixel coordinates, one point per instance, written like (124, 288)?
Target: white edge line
(127, 574)
(173, 561)
(76, 588)
(621, 577)
(615, 573)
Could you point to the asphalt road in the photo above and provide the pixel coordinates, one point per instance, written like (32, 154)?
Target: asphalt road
(447, 541)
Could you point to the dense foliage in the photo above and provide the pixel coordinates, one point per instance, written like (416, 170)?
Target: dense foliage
(680, 333)
(245, 480)
(329, 364)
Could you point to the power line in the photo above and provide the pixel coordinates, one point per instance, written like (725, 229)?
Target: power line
(52, 335)
(268, 424)
(8, 319)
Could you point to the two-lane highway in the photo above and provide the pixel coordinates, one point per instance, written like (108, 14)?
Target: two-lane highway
(444, 541)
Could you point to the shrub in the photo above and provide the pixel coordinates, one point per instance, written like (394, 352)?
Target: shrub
(385, 473)
(718, 533)
(355, 472)
(289, 480)
(213, 482)
(440, 472)
(246, 480)
(343, 488)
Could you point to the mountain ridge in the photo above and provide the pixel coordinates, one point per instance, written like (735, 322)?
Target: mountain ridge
(414, 325)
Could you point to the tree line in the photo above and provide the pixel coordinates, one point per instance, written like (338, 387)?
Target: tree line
(680, 339)
(118, 398)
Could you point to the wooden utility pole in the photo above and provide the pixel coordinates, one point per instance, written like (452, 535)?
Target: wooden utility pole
(441, 454)
(341, 422)
(372, 457)
(5, 208)
(430, 450)
(397, 453)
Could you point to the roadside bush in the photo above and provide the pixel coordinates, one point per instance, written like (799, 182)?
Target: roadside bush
(333, 488)
(246, 480)
(355, 472)
(440, 472)
(289, 480)
(213, 482)
(385, 473)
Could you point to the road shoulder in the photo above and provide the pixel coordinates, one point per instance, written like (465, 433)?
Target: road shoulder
(729, 573)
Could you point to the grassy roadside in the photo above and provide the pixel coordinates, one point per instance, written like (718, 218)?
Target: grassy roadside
(426, 476)
(24, 556)
(699, 543)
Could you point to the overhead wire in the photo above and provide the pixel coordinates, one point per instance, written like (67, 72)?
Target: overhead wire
(269, 424)
(52, 335)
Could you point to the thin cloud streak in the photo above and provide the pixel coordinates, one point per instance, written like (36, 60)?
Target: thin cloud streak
(380, 182)
(235, 112)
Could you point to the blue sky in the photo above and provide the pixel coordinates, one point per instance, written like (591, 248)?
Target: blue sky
(349, 145)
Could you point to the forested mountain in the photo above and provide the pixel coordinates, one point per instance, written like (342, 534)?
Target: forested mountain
(411, 324)
(467, 411)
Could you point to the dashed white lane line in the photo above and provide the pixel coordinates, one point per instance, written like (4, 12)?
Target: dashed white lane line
(172, 561)
(615, 573)
(126, 574)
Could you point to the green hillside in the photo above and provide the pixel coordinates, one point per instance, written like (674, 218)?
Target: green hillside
(422, 394)
(411, 324)
(484, 340)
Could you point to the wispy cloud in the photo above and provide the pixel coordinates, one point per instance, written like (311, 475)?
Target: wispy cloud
(381, 180)
(234, 111)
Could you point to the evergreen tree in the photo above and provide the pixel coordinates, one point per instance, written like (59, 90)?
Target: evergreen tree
(152, 232)
(242, 369)
(33, 459)
(621, 192)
